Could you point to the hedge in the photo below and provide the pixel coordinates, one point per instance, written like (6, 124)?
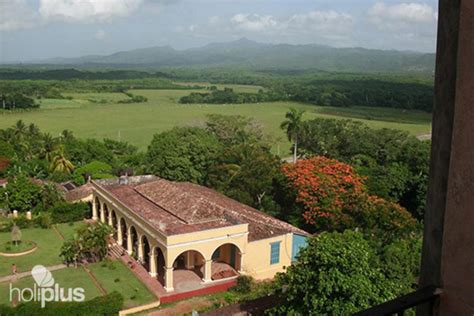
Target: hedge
(106, 305)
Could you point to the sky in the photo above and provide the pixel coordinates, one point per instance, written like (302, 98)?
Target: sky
(41, 29)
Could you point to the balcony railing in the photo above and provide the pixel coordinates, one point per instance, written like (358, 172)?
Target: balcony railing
(399, 305)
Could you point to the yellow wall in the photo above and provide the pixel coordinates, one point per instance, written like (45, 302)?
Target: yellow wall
(257, 257)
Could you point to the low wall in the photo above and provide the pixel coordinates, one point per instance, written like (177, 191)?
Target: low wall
(204, 291)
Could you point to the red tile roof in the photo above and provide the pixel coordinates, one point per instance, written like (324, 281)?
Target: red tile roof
(78, 193)
(182, 207)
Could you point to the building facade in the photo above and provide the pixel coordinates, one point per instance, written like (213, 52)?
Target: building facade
(171, 225)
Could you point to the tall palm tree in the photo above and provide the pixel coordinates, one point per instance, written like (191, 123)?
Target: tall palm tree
(292, 125)
(49, 147)
(60, 163)
(33, 130)
(19, 129)
(66, 135)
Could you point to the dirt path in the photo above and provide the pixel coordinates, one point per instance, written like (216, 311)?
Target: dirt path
(28, 273)
(183, 307)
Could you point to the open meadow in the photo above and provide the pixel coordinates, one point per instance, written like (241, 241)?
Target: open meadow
(98, 115)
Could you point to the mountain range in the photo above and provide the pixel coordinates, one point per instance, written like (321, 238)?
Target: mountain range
(248, 53)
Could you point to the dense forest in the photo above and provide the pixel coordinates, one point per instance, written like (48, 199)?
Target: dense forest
(320, 88)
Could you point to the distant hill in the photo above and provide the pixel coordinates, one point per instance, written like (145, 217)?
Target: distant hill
(248, 53)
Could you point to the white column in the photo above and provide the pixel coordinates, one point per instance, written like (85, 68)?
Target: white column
(111, 223)
(129, 242)
(241, 268)
(141, 255)
(95, 215)
(153, 271)
(207, 271)
(119, 232)
(102, 213)
(189, 260)
(169, 279)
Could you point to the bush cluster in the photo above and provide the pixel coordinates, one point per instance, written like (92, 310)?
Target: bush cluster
(106, 305)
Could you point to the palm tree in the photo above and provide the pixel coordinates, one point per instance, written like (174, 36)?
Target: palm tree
(66, 135)
(292, 125)
(19, 129)
(33, 129)
(49, 146)
(60, 163)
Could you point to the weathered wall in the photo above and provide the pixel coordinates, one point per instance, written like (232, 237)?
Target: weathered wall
(257, 257)
(457, 264)
(448, 250)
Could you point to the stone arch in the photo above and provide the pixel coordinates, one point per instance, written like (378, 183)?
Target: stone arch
(124, 229)
(95, 208)
(114, 219)
(226, 254)
(146, 248)
(132, 231)
(192, 260)
(159, 256)
(105, 210)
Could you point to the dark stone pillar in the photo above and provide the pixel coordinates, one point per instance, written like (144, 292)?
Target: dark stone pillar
(448, 249)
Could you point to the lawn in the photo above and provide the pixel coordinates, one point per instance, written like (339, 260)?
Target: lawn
(115, 276)
(68, 229)
(66, 278)
(47, 253)
(136, 123)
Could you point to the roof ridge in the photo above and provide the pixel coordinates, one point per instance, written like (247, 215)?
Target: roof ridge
(157, 204)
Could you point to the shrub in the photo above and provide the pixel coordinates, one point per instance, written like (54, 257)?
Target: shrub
(337, 274)
(106, 305)
(244, 284)
(43, 220)
(67, 212)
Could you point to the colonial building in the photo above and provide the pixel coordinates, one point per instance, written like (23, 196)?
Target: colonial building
(169, 225)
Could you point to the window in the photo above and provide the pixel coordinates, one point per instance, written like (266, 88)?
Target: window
(275, 252)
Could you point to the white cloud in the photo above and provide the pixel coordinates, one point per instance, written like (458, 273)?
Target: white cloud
(16, 15)
(87, 10)
(306, 27)
(401, 15)
(331, 22)
(253, 22)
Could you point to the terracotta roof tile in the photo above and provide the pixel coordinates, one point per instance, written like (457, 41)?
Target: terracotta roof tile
(182, 207)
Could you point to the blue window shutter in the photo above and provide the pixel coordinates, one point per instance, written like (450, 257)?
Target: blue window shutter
(275, 252)
(298, 243)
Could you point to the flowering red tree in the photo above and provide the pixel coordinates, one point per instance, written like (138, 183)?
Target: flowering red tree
(334, 197)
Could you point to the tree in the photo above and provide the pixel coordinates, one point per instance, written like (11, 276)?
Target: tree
(95, 169)
(22, 194)
(327, 189)
(333, 197)
(60, 163)
(336, 274)
(183, 154)
(234, 129)
(396, 163)
(245, 172)
(292, 125)
(89, 243)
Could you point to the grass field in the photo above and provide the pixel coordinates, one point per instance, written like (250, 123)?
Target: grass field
(136, 123)
(115, 276)
(66, 278)
(112, 276)
(47, 253)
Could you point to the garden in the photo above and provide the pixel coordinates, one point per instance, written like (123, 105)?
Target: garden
(99, 279)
